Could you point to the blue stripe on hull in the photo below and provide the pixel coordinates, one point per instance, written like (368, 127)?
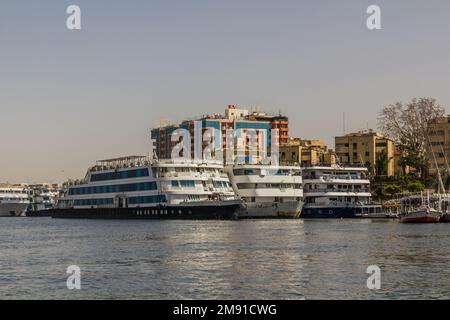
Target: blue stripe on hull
(328, 213)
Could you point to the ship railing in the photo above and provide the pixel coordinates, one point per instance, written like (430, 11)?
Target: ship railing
(337, 177)
(338, 190)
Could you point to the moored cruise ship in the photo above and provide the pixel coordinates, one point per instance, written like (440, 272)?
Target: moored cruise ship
(138, 187)
(13, 201)
(337, 192)
(267, 191)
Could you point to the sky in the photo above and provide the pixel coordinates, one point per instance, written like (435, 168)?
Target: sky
(71, 97)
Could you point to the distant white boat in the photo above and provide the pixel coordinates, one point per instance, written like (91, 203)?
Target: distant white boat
(13, 201)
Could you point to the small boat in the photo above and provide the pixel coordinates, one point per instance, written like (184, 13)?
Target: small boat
(422, 215)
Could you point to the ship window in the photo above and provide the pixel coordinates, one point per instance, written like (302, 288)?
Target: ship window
(136, 173)
(246, 186)
(187, 184)
(117, 188)
(93, 202)
(147, 199)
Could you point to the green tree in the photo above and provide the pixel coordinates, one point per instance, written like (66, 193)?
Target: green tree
(379, 192)
(381, 163)
(392, 189)
(416, 186)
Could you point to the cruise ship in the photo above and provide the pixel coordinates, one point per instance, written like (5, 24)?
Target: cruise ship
(138, 187)
(267, 191)
(337, 192)
(13, 201)
(43, 197)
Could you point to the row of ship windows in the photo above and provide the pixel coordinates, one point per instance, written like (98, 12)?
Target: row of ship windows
(183, 183)
(346, 176)
(191, 184)
(275, 199)
(255, 172)
(147, 199)
(93, 202)
(120, 175)
(221, 184)
(144, 186)
(269, 186)
(184, 169)
(337, 186)
(131, 200)
(12, 199)
(14, 191)
(160, 211)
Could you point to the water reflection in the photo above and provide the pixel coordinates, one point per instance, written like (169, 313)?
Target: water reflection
(273, 259)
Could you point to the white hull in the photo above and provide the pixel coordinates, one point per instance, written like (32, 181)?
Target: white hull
(12, 209)
(290, 209)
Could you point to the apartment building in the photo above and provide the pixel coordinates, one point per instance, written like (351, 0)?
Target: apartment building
(368, 148)
(306, 152)
(244, 123)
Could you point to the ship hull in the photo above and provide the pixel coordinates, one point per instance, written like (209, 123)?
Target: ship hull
(329, 213)
(12, 209)
(422, 216)
(285, 210)
(425, 219)
(175, 212)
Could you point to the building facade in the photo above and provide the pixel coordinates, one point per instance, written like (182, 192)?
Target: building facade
(367, 148)
(306, 152)
(439, 148)
(252, 135)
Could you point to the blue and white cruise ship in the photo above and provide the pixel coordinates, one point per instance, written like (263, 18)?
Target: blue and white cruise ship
(337, 192)
(138, 187)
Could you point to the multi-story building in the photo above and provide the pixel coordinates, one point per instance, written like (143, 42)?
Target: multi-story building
(439, 148)
(244, 124)
(306, 152)
(368, 148)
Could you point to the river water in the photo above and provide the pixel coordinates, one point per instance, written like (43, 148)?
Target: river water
(263, 259)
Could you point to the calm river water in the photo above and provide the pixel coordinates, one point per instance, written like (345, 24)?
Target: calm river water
(273, 259)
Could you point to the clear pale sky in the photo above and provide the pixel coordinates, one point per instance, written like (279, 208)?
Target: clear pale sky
(68, 98)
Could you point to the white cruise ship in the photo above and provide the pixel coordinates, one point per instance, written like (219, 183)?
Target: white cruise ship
(267, 191)
(139, 187)
(13, 201)
(44, 197)
(337, 192)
